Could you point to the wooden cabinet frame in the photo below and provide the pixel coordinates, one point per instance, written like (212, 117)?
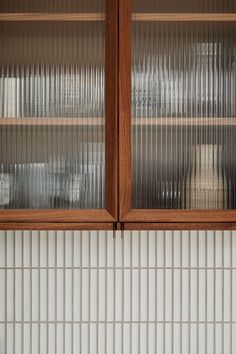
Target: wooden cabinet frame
(118, 175)
(156, 218)
(94, 218)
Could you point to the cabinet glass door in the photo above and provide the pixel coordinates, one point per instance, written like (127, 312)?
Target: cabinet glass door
(52, 104)
(183, 105)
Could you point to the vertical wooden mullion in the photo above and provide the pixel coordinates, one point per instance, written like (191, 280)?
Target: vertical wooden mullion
(111, 108)
(125, 191)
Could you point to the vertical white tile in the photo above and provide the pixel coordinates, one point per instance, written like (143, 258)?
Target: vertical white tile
(152, 295)
(60, 249)
(160, 295)
(169, 238)
(185, 249)
(126, 295)
(194, 236)
(127, 249)
(43, 248)
(77, 294)
(68, 338)
(177, 295)
(143, 296)
(168, 295)
(2, 248)
(77, 340)
(19, 241)
(35, 248)
(94, 295)
(2, 295)
(135, 338)
(101, 336)
(219, 248)
(35, 338)
(193, 339)
(60, 339)
(176, 338)
(10, 295)
(210, 295)
(234, 249)
(118, 250)
(177, 250)
(68, 248)
(102, 305)
(26, 294)
(43, 294)
(26, 238)
(143, 248)
(11, 340)
(118, 290)
(18, 338)
(77, 248)
(151, 339)
(60, 294)
(185, 295)
(143, 338)
(227, 295)
(219, 297)
(35, 295)
(51, 295)
(3, 348)
(110, 249)
(51, 248)
(68, 294)
(227, 248)
(202, 249)
(10, 248)
(51, 339)
(93, 248)
(126, 339)
(110, 338)
(110, 295)
(194, 291)
(27, 349)
(93, 338)
(210, 338)
(85, 295)
(102, 248)
(135, 248)
(168, 338)
(210, 248)
(136, 295)
(152, 249)
(202, 295)
(234, 296)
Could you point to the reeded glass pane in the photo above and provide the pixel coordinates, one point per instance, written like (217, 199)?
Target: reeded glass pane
(184, 6)
(52, 115)
(184, 115)
(52, 5)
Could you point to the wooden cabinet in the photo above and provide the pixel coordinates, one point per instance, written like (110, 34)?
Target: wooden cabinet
(118, 111)
(177, 111)
(58, 111)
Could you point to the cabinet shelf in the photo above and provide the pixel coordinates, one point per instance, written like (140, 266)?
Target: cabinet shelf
(53, 121)
(52, 17)
(184, 121)
(185, 17)
(138, 17)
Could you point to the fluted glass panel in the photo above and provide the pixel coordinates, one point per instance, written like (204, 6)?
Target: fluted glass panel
(52, 115)
(184, 6)
(184, 115)
(52, 6)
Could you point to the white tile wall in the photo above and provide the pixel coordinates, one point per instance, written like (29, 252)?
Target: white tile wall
(86, 293)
